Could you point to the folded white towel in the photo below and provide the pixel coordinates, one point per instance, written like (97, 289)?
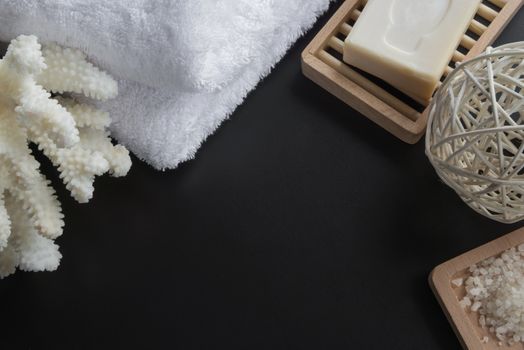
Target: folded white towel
(183, 65)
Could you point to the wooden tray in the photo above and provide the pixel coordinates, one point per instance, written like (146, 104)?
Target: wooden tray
(380, 102)
(465, 323)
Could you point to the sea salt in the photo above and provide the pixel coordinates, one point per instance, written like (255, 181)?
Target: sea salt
(495, 289)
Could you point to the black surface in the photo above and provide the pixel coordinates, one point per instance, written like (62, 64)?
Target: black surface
(300, 225)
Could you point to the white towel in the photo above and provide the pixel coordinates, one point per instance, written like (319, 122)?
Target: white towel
(183, 65)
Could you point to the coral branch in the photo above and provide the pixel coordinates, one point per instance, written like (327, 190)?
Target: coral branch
(33, 251)
(68, 71)
(73, 136)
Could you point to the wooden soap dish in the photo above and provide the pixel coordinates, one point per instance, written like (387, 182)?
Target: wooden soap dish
(465, 323)
(380, 102)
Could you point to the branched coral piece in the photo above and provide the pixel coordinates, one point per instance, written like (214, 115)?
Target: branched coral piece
(29, 250)
(21, 177)
(73, 136)
(94, 136)
(69, 71)
(33, 105)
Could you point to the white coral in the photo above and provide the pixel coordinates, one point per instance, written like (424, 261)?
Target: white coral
(73, 136)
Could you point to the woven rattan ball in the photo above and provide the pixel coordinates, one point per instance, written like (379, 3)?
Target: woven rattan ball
(475, 134)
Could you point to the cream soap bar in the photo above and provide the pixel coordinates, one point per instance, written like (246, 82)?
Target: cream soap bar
(408, 43)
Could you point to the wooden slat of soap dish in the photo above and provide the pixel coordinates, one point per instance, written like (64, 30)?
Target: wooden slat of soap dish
(322, 63)
(465, 323)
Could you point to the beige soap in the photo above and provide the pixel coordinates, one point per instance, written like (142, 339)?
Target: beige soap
(408, 43)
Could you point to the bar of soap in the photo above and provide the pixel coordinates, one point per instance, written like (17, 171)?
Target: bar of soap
(408, 43)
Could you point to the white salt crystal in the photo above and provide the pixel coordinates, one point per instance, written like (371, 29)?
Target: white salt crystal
(476, 305)
(465, 302)
(474, 291)
(482, 321)
(457, 282)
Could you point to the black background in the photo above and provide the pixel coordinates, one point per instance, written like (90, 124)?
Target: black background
(300, 225)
